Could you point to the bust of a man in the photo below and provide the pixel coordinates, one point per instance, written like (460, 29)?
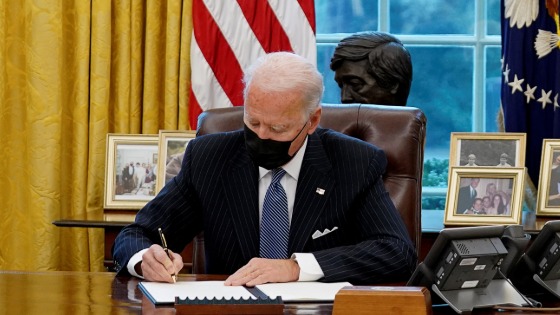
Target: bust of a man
(372, 68)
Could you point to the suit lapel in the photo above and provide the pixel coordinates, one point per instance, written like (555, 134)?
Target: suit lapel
(241, 190)
(315, 185)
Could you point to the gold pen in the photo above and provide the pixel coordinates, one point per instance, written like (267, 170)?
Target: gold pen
(164, 245)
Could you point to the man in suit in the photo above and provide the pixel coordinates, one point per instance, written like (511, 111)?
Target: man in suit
(342, 224)
(476, 207)
(554, 184)
(372, 68)
(128, 173)
(467, 195)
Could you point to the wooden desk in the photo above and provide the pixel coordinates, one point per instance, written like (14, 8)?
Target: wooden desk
(101, 293)
(63, 292)
(112, 229)
(432, 224)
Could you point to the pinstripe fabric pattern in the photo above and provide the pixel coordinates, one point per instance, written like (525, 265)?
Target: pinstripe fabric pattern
(216, 190)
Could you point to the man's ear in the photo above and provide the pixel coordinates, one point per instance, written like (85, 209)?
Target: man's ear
(395, 88)
(314, 119)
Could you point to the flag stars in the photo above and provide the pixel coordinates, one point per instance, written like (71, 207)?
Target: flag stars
(530, 93)
(516, 85)
(545, 98)
(506, 73)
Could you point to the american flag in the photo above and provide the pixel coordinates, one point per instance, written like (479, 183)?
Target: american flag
(228, 35)
(531, 73)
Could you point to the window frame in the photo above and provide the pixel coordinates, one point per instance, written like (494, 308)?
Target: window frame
(479, 41)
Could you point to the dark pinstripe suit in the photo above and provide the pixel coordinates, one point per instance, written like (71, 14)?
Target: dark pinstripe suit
(216, 190)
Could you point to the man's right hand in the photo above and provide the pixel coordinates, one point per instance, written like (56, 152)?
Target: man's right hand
(157, 266)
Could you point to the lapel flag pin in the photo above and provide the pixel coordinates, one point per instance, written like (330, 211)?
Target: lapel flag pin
(320, 191)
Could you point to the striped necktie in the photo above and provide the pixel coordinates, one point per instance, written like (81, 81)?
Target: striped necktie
(275, 223)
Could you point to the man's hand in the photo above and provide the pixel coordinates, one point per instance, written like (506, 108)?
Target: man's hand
(262, 270)
(157, 266)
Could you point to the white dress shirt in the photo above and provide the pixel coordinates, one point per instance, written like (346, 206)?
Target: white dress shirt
(308, 265)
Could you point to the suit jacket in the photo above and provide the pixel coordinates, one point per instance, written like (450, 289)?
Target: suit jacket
(464, 199)
(216, 191)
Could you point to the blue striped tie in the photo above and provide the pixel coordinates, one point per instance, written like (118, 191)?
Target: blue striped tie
(275, 223)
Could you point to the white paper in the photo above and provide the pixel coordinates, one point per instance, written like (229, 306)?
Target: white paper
(303, 291)
(164, 293)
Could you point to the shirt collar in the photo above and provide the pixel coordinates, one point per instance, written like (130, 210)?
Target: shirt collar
(293, 167)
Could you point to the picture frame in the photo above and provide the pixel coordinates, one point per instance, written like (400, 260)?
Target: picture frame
(172, 145)
(487, 149)
(548, 195)
(130, 187)
(498, 196)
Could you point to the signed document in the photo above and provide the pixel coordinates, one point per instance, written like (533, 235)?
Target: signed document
(165, 293)
(303, 291)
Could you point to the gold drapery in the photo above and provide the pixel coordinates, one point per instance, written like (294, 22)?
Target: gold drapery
(71, 72)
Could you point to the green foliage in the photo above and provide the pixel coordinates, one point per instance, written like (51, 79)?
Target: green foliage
(435, 173)
(433, 203)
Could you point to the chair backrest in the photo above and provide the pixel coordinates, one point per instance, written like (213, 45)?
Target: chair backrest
(399, 131)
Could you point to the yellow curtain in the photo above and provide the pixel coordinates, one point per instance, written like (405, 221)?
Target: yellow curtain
(71, 72)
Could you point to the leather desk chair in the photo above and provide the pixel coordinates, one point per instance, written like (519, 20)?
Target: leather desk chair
(399, 131)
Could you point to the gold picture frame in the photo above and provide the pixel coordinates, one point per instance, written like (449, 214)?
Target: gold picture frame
(503, 188)
(548, 195)
(172, 145)
(130, 187)
(489, 149)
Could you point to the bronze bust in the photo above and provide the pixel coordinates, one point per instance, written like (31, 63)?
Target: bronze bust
(372, 68)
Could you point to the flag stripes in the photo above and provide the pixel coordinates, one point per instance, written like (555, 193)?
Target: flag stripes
(229, 35)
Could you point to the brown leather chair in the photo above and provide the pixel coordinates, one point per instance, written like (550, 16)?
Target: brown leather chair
(399, 131)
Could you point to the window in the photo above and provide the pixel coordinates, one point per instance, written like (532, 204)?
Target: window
(455, 48)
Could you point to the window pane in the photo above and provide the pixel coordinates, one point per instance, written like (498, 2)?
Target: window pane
(493, 83)
(493, 17)
(431, 17)
(332, 91)
(345, 16)
(442, 87)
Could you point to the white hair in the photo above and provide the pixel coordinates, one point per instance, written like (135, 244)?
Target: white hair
(283, 72)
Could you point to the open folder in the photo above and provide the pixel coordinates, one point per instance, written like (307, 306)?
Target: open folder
(165, 293)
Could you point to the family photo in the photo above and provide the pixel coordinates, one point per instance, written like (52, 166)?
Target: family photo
(500, 153)
(136, 172)
(487, 149)
(554, 183)
(131, 172)
(484, 196)
(172, 146)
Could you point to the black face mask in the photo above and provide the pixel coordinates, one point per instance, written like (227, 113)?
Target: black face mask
(268, 153)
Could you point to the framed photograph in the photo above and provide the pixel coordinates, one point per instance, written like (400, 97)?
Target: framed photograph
(130, 170)
(484, 196)
(548, 195)
(497, 149)
(172, 145)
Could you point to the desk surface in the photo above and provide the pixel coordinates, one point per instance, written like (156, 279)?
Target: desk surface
(62, 292)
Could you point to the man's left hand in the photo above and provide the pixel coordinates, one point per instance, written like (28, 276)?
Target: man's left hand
(262, 270)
